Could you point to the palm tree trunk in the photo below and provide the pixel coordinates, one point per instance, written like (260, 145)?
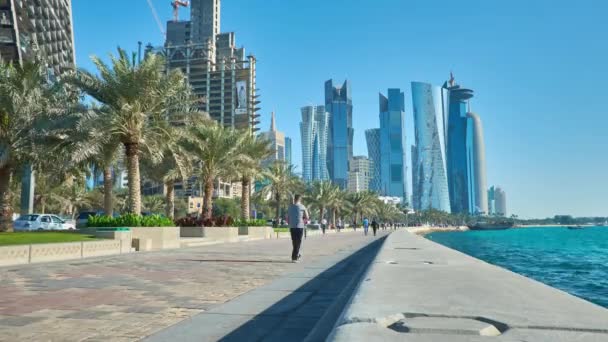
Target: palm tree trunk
(245, 198)
(207, 200)
(6, 209)
(170, 199)
(333, 217)
(321, 212)
(43, 204)
(278, 212)
(134, 200)
(108, 185)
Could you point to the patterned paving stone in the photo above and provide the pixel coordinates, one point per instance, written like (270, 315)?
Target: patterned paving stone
(129, 297)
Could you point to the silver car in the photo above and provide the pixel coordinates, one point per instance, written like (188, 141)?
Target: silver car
(41, 222)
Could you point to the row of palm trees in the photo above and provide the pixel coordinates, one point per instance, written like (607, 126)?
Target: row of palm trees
(145, 118)
(127, 112)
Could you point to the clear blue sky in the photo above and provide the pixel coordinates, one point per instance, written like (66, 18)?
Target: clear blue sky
(539, 70)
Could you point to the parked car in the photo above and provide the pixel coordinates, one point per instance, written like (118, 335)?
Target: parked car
(42, 222)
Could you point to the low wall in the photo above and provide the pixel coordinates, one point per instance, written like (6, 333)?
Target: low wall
(260, 232)
(156, 237)
(421, 291)
(214, 233)
(47, 252)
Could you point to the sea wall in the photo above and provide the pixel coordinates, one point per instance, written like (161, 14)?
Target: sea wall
(417, 290)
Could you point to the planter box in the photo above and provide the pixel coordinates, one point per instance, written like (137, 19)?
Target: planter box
(159, 237)
(214, 233)
(260, 232)
(14, 255)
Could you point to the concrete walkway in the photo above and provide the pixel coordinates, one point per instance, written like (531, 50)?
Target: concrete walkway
(417, 290)
(130, 297)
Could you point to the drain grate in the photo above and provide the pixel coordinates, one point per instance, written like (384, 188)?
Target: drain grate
(408, 248)
(447, 325)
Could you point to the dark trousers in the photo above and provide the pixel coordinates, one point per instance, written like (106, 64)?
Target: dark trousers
(375, 229)
(296, 241)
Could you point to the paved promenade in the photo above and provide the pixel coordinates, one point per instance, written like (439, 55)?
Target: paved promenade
(129, 297)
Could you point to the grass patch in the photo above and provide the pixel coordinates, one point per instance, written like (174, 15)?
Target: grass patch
(281, 230)
(26, 238)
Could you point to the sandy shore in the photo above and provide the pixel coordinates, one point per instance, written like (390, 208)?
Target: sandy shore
(430, 229)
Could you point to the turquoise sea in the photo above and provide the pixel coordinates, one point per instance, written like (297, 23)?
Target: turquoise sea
(575, 261)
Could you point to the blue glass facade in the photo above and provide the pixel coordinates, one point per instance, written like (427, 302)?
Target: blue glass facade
(288, 150)
(429, 162)
(392, 145)
(338, 103)
(457, 135)
(476, 166)
(372, 137)
(314, 131)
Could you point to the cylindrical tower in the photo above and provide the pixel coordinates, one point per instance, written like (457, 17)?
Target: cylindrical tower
(477, 163)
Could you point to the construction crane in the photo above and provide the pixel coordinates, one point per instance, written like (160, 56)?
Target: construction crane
(176, 4)
(155, 14)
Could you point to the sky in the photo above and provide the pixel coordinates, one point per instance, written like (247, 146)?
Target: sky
(539, 70)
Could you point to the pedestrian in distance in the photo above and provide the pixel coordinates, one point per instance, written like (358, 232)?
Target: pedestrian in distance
(365, 225)
(323, 225)
(374, 226)
(339, 224)
(298, 215)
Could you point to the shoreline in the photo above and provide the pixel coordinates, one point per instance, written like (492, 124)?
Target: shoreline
(424, 230)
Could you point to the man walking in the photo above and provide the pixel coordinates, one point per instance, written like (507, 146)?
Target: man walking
(365, 225)
(374, 226)
(323, 225)
(297, 214)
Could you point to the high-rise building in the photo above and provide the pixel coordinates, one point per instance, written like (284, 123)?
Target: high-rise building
(339, 105)
(465, 152)
(456, 149)
(429, 160)
(220, 74)
(491, 201)
(372, 137)
(393, 170)
(314, 130)
(360, 173)
(501, 201)
(43, 27)
(205, 15)
(288, 150)
(277, 141)
(476, 170)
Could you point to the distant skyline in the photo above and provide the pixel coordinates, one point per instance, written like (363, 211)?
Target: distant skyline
(538, 70)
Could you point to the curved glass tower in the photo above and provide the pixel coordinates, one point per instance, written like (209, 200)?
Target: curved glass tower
(372, 136)
(429, 160)
(476, 160)
(314, 130)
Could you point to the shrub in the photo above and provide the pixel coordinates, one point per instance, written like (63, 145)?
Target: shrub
(251, 223)
(130, 220)
(221, 221)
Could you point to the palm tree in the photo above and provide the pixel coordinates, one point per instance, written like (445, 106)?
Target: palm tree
(361, 203)
(218, 150)
(321, 195)
(28, 103)
(138, 98)
(339, 204)
(282, 183)
(153, 204)
(255, 149)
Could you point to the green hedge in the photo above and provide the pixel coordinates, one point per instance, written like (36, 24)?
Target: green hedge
(251, 223)
(130, 220)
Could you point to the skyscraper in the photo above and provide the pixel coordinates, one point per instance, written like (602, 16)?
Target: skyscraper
(277, 141)
(314, 131)
(206, 18)
(339, 105)
(288, 150)
(392, 145)
(372, 137)
(501, 201)
(220, 74)
(360, 173)
(429, 160)
(456, 149)
(476, 170)
(491, 201)
(42, 25)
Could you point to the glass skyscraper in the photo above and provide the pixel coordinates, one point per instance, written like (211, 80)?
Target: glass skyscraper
(429, 160)
(476, 166)
(339, 105)
(392, 145)
(288, 150)
(372, 136)
(457, 161)
(314, 133)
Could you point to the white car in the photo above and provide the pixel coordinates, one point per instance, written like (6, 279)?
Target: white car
(42, 222)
